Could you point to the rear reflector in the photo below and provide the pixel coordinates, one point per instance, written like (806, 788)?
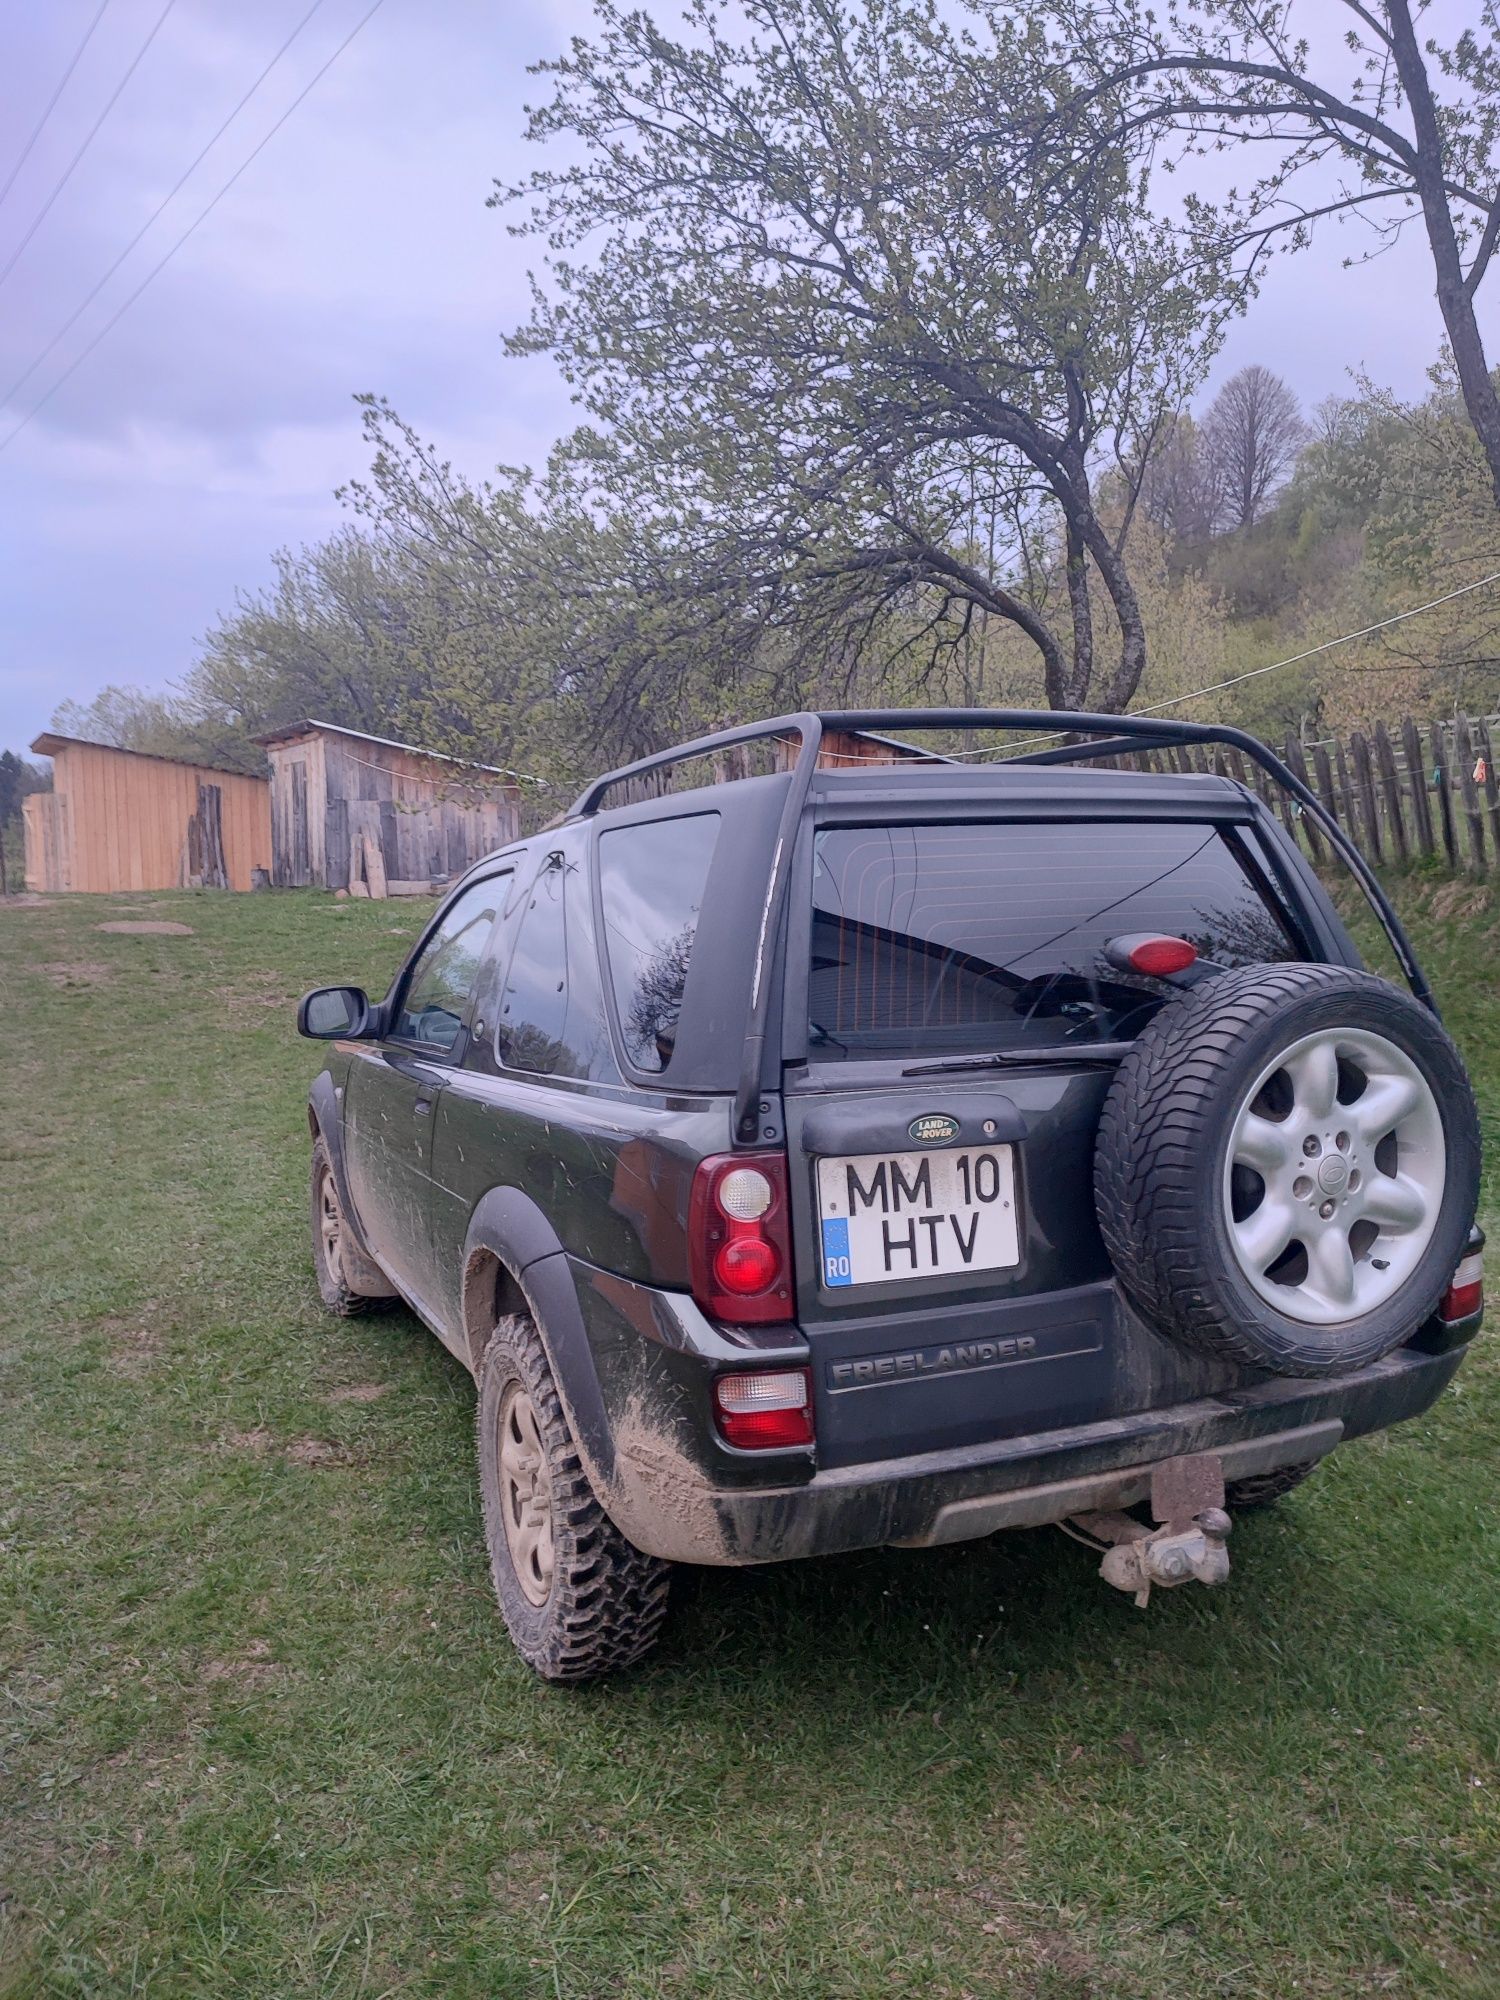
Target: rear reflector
(1465, 1296)
(772, 1407)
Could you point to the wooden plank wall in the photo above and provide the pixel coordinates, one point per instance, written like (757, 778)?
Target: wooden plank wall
(330, 792)
(39, 818)
(120, 820)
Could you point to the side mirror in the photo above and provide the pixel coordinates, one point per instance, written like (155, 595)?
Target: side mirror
(334, 1013)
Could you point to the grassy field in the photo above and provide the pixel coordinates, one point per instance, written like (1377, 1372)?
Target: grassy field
(262, 1732)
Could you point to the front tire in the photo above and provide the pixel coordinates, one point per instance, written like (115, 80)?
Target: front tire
(578, 1600)
(337, 1261)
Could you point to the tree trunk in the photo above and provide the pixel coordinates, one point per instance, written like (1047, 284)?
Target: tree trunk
(1454, 299)
(1126, 677)
(1083, 621)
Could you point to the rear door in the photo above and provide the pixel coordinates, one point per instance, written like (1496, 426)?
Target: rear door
(950, 1268)
(394, 1085)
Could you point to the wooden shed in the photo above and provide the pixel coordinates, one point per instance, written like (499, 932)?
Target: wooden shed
(119, 819)
(357, 812)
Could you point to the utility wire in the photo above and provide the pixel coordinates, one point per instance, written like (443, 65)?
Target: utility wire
(88, 35)
(1344, 639)
(1218, 687)
(202, 217)
(1255, 672)
(88, 140)
(165, 202)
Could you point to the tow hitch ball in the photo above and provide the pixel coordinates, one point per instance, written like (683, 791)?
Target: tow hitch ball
(1187, 1501)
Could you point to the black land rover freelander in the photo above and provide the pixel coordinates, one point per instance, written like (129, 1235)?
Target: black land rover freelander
(896, 1153)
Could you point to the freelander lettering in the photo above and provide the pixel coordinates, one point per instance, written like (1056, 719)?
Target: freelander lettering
(890, 1188)
(930, 1361)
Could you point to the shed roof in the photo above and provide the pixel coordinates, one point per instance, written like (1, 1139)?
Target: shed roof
(49, 743)
(291, 730)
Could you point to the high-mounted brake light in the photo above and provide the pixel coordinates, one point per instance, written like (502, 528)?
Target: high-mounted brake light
(772, 1407)
(740, 1249)
(1465, 1296)
(1162, 956)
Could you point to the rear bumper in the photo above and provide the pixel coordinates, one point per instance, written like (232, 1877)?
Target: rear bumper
(669, 1509)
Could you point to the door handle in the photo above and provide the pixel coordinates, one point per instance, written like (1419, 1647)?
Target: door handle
(422, 1106)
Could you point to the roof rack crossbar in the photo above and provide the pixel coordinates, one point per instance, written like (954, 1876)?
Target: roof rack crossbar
(1083, 753)
(589, 800)
(1115, 735)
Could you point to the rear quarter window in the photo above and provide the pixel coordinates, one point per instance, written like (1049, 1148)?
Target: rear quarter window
(651, 882)
(992, 935)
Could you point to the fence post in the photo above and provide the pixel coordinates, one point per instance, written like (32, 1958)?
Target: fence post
(1346, 795)
(1463, 750)
(1416, 778)
(1390, 785)
(1491, 783)
(1298, 765)
(1359, 749)
(1324, 771)
(1445, 794)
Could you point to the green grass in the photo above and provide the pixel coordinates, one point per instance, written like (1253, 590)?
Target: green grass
(263, 1734)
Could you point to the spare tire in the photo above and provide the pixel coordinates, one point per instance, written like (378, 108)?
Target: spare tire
(1288, 1167)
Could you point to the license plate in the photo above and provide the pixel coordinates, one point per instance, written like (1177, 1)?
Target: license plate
(889, 1216)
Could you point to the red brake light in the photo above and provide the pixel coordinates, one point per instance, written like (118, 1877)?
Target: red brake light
(1465, 1296)
(1162, 956)
(746, 1265)
(739, 1240)
(768, 1408)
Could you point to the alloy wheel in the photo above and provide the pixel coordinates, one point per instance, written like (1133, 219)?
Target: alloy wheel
(525, 1495)
(1333, 1179)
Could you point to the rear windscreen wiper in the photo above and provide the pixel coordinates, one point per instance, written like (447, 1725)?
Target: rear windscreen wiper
(1088, 1052)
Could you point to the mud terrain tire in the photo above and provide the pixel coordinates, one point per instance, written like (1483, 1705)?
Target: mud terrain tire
(337, 1264)
(597, 1604)
(1163, 1181)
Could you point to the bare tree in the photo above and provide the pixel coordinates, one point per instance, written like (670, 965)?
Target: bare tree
(1410, 128)
(1183, 489)
(1252, 434)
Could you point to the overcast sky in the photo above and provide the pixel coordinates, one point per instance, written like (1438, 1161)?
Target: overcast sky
(356, 253)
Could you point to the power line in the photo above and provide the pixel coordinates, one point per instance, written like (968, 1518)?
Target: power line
(88, 35)
(202, 217)
(88, 140)
(1294, 659)
(1255, 672)
(165, 203)
(1218, 687)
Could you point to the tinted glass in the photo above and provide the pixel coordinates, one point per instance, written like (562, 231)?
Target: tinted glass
(992, 936)
(441, 980)
(651, 879)
(534, 1010)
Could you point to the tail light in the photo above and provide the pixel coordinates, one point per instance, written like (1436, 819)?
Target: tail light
(740, 1247)
(1465, 1296)
(771, 1407)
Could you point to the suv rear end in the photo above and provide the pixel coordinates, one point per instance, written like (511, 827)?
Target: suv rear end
(908, 1150)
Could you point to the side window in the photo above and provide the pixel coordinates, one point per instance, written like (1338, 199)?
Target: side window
(651, 880)
(442, 978)
(534, 1008)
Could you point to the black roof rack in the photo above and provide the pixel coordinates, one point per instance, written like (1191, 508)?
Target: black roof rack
(1109, 736)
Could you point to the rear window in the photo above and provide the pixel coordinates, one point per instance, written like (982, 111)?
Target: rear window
(992, 936)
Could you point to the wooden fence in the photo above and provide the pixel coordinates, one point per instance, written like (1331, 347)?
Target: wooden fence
(1411, 792)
